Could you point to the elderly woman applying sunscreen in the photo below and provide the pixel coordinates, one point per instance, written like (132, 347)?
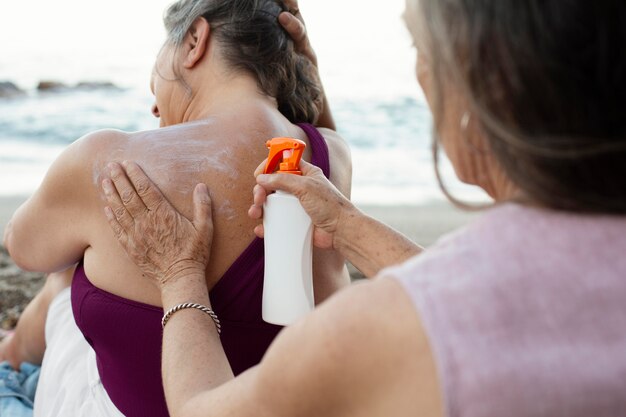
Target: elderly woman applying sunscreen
(521, 313)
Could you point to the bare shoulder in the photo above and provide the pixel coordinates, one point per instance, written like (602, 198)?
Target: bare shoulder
(337, 145)
(340, 160)
(68, 198)
(364, 351)
(84, 154)
(89, 147)
(102, 140)
(100, 145)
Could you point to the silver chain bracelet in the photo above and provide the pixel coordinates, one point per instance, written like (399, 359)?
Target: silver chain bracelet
(200, 307)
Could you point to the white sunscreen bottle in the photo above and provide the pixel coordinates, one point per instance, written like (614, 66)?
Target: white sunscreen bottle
(288, 279)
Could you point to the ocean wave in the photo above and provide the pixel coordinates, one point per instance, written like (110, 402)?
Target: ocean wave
(390, 140)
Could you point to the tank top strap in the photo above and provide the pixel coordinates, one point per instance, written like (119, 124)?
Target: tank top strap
(319, 148)
(241, 285)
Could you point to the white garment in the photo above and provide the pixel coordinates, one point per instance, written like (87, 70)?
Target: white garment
(69, 384)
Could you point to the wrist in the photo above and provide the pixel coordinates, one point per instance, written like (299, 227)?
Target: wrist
(186, 286)
(182, 270)
(347, 224)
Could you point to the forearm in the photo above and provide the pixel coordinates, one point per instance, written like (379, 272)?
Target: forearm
(28, 343)
(194, 361)
(371, 245)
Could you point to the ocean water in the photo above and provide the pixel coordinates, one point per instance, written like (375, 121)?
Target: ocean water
(366, 63)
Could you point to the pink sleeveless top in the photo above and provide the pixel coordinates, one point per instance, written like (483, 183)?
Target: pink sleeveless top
(525, 311)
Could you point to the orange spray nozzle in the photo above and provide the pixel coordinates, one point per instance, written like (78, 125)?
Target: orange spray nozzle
(287, 152)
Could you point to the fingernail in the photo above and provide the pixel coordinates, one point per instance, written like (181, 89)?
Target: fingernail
(108, 211)
(107, 186)
(115, 169)
(200, 189)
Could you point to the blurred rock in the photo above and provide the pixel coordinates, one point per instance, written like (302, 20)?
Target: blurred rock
(47, 85)
(55, 86)
(96, 85)
(8, 90)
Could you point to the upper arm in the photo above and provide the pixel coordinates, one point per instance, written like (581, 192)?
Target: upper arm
(363, 352)
(329, 267)
(49, 231)
(340, 161)
(324, 361)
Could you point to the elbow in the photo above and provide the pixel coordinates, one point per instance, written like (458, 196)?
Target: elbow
(195, 406)
(17, 255)
(183, 411)
(177, 408)
(22, 262)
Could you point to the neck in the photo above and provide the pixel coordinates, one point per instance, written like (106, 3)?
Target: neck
(224, 95)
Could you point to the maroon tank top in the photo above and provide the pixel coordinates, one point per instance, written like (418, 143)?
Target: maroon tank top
(126, 334)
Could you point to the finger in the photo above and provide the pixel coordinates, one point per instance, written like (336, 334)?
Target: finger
(115, 204)
(259, 170)
(294, 27)
(259, 231)
(255, 212)
(259, 195)
(147, 191)
(117, 228)
(126, 191)
(202, 218)
(284, 182)
(288, 182)
(309, 170)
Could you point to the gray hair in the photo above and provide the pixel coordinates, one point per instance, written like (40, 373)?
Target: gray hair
(180, 16)
(253, 41)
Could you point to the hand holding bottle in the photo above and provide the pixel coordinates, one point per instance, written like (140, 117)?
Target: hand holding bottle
(367, 243)
(326, 206)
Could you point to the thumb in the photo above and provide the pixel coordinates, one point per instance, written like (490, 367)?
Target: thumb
(202, 215)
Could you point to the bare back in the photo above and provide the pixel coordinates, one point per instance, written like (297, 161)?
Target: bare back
(221, 152)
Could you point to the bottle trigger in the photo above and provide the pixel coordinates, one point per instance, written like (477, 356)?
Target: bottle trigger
(290, 150)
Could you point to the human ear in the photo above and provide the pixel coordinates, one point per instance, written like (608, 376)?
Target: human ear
(196, 42)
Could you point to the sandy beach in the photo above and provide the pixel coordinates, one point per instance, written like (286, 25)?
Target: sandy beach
(423, 224)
